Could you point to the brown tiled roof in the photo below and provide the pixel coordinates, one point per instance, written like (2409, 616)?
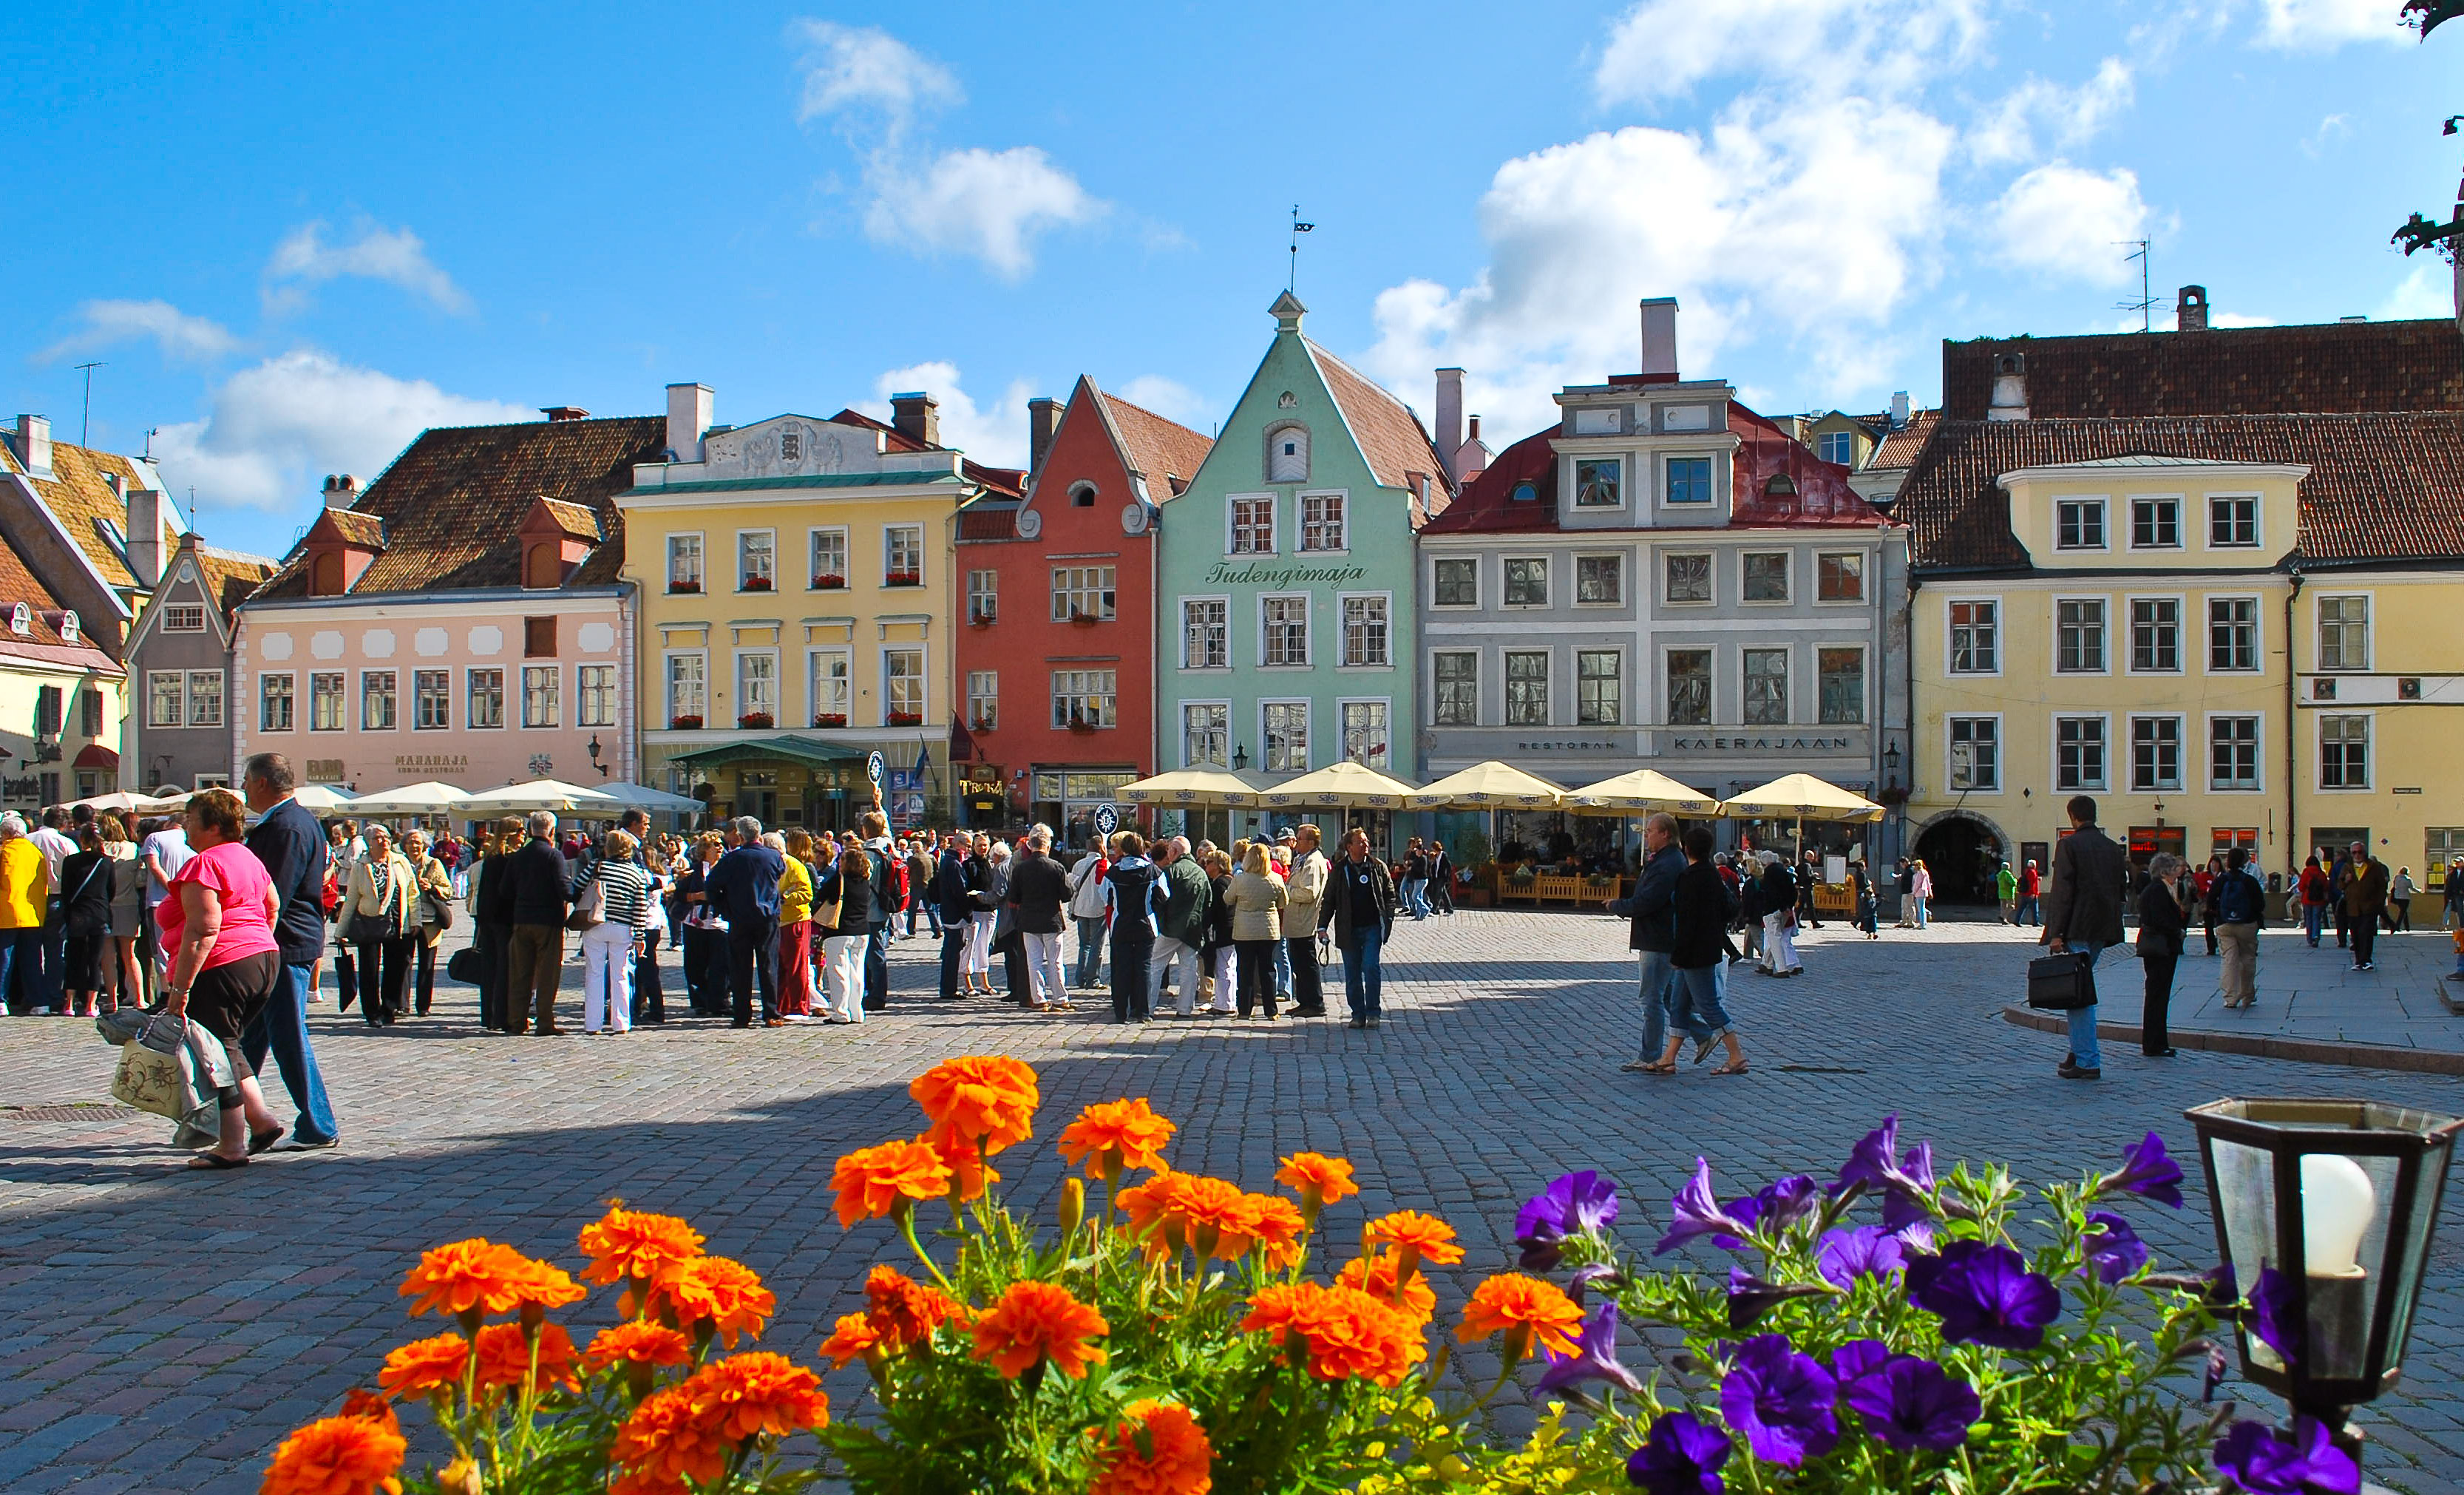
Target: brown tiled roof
(79, 496)
(1391, 436)
(1901, 447)
(357, 527)
(452, 500)
(18, 583)
(1165, 453)
(2382, 486)
(232, 575)
(2326, 366)
(576, 519)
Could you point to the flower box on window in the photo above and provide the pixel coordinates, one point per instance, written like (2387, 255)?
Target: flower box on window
(756, 720)
(902, 720)
(903, 579)
(829, 719)
(1081, 724)
(1891, 794)
(684, 723)
(1075, 616)
(679, 588)
(983, 723)
(830, 581)
(981, 619)
(754, 583)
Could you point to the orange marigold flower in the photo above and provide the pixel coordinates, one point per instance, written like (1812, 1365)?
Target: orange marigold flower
(1038, 1320)
(368, 1407)
(423, 1366)
(1154, 1213)
(969, 1172)
(1342, 1331)
(337, 1455)
(1425, 1237)
(635, 1244)
(1274, 1224)
(1526, 1310)
(636, 1343)
(1318, 1180)
(505, 1356)
(1156, 1449)
(541, 1286)
(466, 1275)
(986, 1099)
(722, 1292)
(1217, 1217)
(1375, 1275)
(1110, 1137)
(854, 1338)
(757, 1391)
(874, 1180)
(667, 1440)
(906, 1310)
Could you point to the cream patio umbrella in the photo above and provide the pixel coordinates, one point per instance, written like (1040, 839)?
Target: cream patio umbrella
(1492, 786)
(1802, 796)
(540, 794)
(1190, 786)
(319, 801)
(642, 796)
(1644, 791)
(431, 797)
(1344, 784)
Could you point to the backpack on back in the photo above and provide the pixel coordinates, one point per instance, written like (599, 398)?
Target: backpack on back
(2237, 899)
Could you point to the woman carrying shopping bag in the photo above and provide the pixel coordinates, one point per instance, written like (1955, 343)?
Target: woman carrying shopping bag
(380, 924)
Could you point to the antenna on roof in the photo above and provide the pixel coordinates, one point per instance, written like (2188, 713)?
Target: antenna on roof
(2145, 305)
(85, 422)
(1291, 279)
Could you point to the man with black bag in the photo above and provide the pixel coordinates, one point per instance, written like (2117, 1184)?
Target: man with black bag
(2082, 916)
(288, 840)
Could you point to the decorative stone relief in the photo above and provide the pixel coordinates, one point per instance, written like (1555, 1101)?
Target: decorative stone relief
(1030, 524)
(487, 641)
(273, 645)
(377, 643)
(325, 644)
(432, 643)
(596, 638)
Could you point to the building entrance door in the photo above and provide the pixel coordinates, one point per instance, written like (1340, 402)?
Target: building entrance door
(2331, 842)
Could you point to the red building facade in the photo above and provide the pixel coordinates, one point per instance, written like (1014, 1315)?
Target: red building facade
(1057, 625)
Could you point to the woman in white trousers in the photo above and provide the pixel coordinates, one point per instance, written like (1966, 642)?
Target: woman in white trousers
(849, 887)
(609, 946)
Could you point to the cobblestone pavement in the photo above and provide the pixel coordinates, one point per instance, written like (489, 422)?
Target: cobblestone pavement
(161, 1330)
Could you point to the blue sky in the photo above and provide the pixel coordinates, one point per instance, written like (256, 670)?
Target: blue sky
(296, 236)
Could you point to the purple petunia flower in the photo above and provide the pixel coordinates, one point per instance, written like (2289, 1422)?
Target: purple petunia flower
(2271, 1313)
(1781, 1401)
(2263, 1460)
(1774, 1206)
(2113, 1252)
(1845, 1255)
(1750, 1297)
(1695, 1211)
(1585, 1276)
(1681, 1457)
(1573, 1204)
(1913, 1403)
(1870, 1163)
(2145, 1170)
(2212, 1374)
(1985, 1294)
(1858, 1359)
(1594, 1358)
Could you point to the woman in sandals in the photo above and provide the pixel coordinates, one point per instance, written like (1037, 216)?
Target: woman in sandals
(218, 924)
(1700, 958)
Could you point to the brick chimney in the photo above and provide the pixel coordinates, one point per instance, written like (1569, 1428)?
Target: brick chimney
(690, 409)
(1900, 410)
(916, 416)
(2010, 387)
(1450, 418)
(564, 412)
(1660, 338)
(146, 536)
(2191, 309)
(34, 444)
(1042, 424)
(342, 490)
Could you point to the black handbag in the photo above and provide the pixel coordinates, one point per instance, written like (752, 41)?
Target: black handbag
(2061, 984)
(463, 966)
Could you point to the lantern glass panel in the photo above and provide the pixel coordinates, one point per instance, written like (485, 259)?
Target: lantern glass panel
(2345, 1216)
(2246, 1202)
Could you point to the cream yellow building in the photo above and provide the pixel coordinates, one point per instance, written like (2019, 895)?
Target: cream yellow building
(796, 607)
(2379, 713)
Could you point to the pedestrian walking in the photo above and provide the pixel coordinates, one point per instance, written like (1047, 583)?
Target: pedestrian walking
(55, 844)
(744, 886)
(1749, 918)
(1650, 913)
(1181, 932)
(2031, 909)
(1416, 880)
(619, 889)
(343, 849)
(2399, 891)
(432, 886)
(1921, 890)
(1087, 915)
(2202, 890)
(1779, 917)
(2315, 890)
(1441, 878)
(1039, 896)
(1256, 897)
(2006, 893)
(1135, 899)
(1863, 885)
(2161, 930)
(1900, 875)
(953, 894)
(1809, 877)
(2083, 915)
(1697, 968)
(535, 878)
(2241, 907)
(219, 924)
(25, 893)
(1305, 888)
(1364, 920)
(887, 897)
(288, 843)
(919, 887)
(380, 925)
(2363, 901)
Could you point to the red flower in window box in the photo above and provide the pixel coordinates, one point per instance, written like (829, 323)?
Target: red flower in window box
(830, 581)
(678, 588)
(1081, 724)
(1075, 616)
(1891, 794)
(756, 720)
(903, 720)
(684, 723)
(829, 719)
(981, 619)
(755, 583)
(981, 723)
(903, 579)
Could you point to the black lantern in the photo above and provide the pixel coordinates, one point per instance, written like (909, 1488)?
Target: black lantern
(1239, 757)
(2335, 1201)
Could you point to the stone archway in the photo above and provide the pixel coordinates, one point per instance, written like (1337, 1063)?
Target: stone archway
(1962, 849)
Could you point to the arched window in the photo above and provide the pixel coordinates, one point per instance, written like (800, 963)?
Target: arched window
(69, 627)
(325, 578)
(21, 619)
(1287, 455)
(1082, 496)
(544, 566)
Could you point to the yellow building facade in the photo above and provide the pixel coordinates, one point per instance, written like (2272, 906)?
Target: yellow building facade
(2379, 715)
(796, 607)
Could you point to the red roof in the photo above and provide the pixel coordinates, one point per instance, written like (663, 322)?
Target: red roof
(1389, 435)
(1007, 479)
(2323, 366)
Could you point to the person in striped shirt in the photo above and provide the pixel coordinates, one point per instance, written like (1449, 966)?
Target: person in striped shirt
(609, 946)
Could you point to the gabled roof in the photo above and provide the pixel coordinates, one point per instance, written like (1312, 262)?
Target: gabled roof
(1389, 435)
(230, 576)
(2325, 367)
(2382, 486)
(18, 583)
(78, 493)
(448, 505)
(1163, 451)
(575, 520)
(1009, 480)
(1899, 448)
(354, 527)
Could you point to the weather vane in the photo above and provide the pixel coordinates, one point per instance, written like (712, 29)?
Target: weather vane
(1292, 279)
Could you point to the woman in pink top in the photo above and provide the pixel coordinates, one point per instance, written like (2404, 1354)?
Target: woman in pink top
(218, 923)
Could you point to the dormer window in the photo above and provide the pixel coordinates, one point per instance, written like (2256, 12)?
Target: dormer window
(1287, 455)
(68, 628)
(544, 565)
(1082, 496)
(21, 620)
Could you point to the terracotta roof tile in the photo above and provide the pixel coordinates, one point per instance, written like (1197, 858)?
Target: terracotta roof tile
(2383, 485)
(2326, 366)
(452, 500)
(578, 520)
(81, 496)
(232, 575)
(1900, 447)
(1391, 436)
(1158, 449)
(18, 583)
(356, 526)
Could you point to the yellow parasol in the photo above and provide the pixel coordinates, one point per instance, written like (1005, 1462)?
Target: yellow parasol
(1190, 786)
(1802, 796)
(1492, 786)
(1644, 791)
(1345, 784)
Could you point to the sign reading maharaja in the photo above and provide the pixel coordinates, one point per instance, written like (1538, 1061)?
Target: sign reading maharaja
(1253, 574)
(430, 765)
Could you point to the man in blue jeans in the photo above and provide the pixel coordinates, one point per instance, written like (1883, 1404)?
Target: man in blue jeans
(1652, 935)
(2083, 916)
(287, 839)
(1363, 892)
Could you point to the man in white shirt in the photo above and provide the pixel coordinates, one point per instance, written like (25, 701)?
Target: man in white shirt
(163, 853)
(55, 843)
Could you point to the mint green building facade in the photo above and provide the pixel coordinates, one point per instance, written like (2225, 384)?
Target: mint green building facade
(1286, 574)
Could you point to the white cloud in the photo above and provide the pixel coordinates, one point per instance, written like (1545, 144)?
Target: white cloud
(1661, 48)
(2065, 117)
(393, 255)
(2426, 290)
(274, 428)
(987, 205)
(2322, 25)
(2060, 220)
(1170, 399)
(993, 434)
(180, 336)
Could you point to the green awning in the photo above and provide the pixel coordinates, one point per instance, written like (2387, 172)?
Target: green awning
(793, 748)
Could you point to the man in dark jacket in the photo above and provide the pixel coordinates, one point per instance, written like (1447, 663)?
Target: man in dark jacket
(1363, 892)
(536, 950)
(1039, 887)
(288, 840)
(919, 889)
(1176, 963)
(955, 887)
(2082, 916)
(2362, 899)
(1651, 913)
(744, 886)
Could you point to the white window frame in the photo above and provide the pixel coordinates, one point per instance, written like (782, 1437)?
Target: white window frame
(470, 721)
(923, 678)
(1787, 684)
(816, 703)
(290, 697)
(2103, 508)
(889, 534)
(1181, 724)
(1949, 754)
(741, 576)
(2054, 741)
(1622, 675)
(1343, 601)
(2053, 663)
(983, 700)
(2181, 746)
(1506, 565)
(1710, 559)
(1341, 498)
(702, 563)
(1661, 713)
(1096, 585)
(2181, 631)
(2369, 751)
(1309, 644)
(1231, 529)
(1438, 605)
(1303, 455)
(446, 725)
(2368, 625)
(2258, 633)
(2257, 526)
(2258, 751)
(2180, 514)
(175, 618)
(1436, 696)
(1709, 502)
(1574, 483)
(813, 572)
(1951, 637)
(1864, 649)
(1616, 560)
(1309, 732)
(1087, 682)
(1221, 602)
(1548, 685)
(1845, 441)
(983, 594)
(1787, 580)
(394, 689)
(1865, 597)
(668, 682)
(342, 695)
(741, 697)
(554, 671)
(157, 683)
(613, 694)
(1383, 761)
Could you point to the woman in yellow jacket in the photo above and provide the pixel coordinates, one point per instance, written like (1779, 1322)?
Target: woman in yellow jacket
(25, 893)
(431, 888)
(380, 915)
(795, 926)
